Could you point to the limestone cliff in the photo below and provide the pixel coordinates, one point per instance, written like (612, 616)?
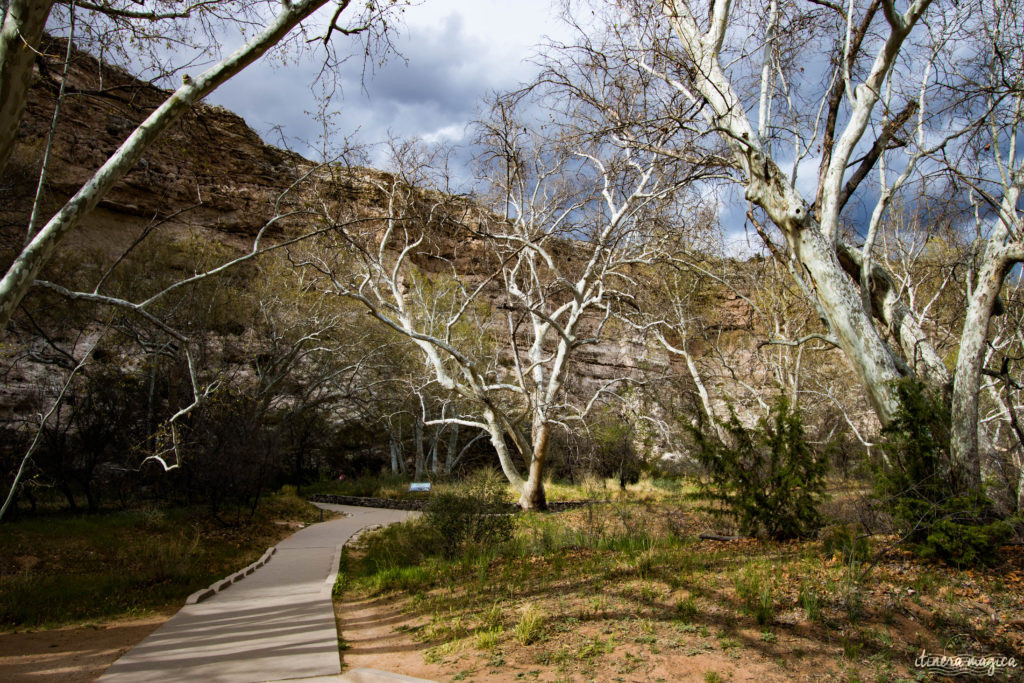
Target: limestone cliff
(213, 176)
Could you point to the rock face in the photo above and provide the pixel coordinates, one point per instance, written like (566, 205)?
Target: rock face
(212, 175)
(210, 159)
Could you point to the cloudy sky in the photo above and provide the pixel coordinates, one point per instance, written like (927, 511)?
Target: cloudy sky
(453, 53)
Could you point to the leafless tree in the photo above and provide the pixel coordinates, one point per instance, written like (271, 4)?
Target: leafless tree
(549, 267)
(895, 94)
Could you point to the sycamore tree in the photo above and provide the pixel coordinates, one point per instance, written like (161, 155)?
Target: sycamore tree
(129, 32)
(501, 296)
(824, 113)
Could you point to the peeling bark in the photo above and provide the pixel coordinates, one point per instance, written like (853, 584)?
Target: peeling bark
(533, 497)
(811, 242)
(22, 30)
(964, 408)
(919, 354)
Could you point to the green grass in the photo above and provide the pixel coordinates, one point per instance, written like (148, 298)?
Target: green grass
(613, 579)
(488, 639)
(530, 628)
(409, 579)
(810, 600)
(755, 587)
(62, 569)
(686, 609)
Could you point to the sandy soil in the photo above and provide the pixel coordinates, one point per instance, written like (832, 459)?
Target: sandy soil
(70, 655)
(369, 628)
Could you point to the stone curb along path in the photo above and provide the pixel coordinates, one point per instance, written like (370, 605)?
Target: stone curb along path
(204, 593)
(276, 624)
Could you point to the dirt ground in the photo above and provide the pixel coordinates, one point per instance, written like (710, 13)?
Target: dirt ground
(377, 634)
(70, 655)
(367, 628)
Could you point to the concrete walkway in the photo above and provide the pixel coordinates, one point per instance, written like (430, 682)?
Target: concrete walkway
(275, 624)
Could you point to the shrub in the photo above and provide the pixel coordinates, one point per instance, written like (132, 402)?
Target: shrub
(605, 450)
(475, 514)
(767, 477)
(921, 488)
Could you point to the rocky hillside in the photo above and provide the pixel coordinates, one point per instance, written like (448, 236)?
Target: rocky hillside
(212, 176)
(210, 158)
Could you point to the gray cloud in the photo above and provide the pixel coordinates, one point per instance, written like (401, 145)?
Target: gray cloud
(432, 91)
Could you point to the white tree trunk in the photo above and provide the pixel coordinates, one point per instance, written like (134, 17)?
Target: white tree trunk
(852, 326)
(19, 38)
(432, 457)
(497, 435)
(1001, 253)
(1020, 485)
(533, 497)
(812, 244)
(393, 448)
(397, 452)
(967, 380)
(899, 320)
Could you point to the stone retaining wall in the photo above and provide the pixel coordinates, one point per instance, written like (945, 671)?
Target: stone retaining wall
(386, 503)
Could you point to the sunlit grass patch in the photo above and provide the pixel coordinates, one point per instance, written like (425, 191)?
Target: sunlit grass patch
(488, 639)
(530, 628)
(623, 585)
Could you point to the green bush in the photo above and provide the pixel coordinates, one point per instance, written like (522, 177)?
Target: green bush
(920, 486)
(475, 514)
(767, 477)
(606, 449)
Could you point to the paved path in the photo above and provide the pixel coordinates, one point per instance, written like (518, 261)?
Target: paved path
(275, 624)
